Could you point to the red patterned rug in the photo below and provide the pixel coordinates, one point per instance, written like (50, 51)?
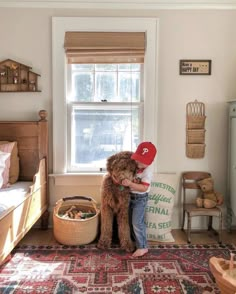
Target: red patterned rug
(86, 269)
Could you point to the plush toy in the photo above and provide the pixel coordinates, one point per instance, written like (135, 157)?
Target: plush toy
(208, 198)
(115, 200)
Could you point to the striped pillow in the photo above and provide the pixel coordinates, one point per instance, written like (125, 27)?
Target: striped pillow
(3, 170)
(6, 148)
(14, 163)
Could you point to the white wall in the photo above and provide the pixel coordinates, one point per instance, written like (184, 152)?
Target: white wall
(26, 37)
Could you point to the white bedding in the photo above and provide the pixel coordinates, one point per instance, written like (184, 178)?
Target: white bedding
(13, 196)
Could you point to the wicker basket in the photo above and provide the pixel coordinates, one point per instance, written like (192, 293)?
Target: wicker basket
(220, 270)
(195, 118)
(195, 150)
(75, 231)
(195, 133)
(196, 122)
(196, 136)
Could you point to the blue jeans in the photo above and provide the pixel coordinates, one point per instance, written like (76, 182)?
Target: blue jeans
(137, 209)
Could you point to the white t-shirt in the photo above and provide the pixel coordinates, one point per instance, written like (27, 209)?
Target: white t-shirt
(144, 176)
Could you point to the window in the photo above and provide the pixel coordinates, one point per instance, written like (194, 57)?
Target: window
(130, 95)
(104, 113)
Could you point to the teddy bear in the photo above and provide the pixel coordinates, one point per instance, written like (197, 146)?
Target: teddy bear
(208, 198)
(115, 200)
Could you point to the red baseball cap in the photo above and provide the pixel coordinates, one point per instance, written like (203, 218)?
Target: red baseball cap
(145, 153)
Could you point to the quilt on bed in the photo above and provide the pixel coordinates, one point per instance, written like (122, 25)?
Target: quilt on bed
(13, 196)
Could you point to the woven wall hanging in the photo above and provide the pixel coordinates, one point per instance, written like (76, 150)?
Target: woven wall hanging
(195, 129)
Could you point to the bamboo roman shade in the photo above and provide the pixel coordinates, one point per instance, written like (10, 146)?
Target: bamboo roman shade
(105, 47)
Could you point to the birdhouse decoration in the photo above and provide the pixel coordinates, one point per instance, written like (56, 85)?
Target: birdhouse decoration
(17, 77)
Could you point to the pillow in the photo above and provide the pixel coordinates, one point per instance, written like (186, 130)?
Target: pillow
(4, 169)
(7, 148)
(14, 165)
(160, 206)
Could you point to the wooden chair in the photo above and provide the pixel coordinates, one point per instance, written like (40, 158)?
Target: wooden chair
(189, 182)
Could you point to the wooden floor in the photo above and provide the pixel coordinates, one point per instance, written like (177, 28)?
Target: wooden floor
(45, 237)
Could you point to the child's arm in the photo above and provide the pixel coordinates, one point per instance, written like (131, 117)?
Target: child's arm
(135, 186)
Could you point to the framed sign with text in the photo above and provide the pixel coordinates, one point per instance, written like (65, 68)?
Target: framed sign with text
(194, 67)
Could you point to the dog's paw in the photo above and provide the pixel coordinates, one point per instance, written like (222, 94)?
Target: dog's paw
(128, 246)
(104, 244)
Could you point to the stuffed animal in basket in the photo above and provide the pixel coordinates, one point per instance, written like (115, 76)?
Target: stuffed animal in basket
(208, 198)
(115, 200)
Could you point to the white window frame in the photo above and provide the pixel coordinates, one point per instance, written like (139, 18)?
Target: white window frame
(97, 105)
(60, 25)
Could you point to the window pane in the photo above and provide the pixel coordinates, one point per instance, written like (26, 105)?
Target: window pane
(97, 134)
(105, 86)
(111, 82)
(105, 67)
(83, 67)
(129, 67)
(129, 86)
(82, 87)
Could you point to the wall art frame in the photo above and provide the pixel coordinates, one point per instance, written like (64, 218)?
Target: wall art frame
(195, 67)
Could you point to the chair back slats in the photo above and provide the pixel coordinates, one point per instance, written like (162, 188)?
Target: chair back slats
(190, 185)
(195, 176)
(190, 181)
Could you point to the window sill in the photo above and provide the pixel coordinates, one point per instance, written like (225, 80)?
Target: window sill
(77, 179)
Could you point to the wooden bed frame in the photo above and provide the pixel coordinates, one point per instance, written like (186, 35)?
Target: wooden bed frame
(32, 143)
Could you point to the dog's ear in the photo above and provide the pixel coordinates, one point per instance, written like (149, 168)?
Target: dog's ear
(110, 161)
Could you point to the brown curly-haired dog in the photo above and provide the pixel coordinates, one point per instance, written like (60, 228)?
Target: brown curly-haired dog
(115, 200)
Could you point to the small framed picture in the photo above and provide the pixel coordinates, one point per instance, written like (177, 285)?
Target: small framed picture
(194, 67)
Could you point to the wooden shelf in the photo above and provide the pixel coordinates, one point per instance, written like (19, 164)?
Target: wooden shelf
(17, 77)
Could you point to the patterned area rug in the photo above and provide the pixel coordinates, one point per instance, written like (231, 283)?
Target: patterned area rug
(86, 269)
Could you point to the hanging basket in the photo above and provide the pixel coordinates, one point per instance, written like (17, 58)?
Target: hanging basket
(195, 150)
(195, 122)
(196, 136)
(195, 115)
(76, 231)
(195, 131)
